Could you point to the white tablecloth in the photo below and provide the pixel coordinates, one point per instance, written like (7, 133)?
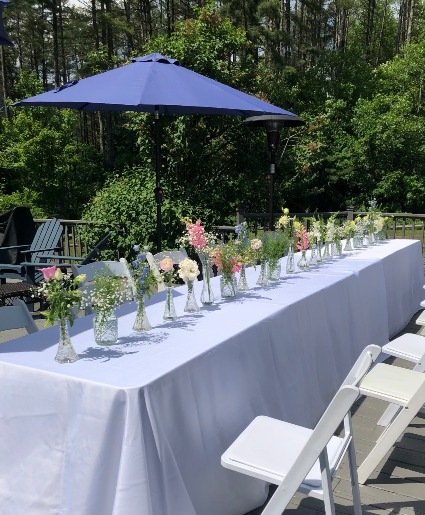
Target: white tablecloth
(138, 428)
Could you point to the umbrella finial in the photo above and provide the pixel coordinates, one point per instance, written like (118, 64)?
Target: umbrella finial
(157, 58)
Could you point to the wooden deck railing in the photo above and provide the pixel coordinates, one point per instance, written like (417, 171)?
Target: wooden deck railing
(404, 225)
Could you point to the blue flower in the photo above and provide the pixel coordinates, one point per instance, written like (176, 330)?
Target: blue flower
(145, 270)
(141, 257)
(136, 248)
(141, 280)
(146, 248)
(135, 264)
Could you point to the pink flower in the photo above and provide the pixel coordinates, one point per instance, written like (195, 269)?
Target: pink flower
(166, 264)
(236, 268)
(48, 273)
(196, 233)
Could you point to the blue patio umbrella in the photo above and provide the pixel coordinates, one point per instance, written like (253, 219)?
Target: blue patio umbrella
(4, 38)
(155, 84)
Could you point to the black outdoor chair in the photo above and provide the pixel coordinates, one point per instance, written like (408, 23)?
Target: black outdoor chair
(17, 231)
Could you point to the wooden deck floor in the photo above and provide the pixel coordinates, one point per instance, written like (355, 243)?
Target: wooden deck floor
(397, 484)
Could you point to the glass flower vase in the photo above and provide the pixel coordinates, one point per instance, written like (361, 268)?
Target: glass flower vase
(191, 304)
(141, 323)
(105, 327)
(275, 269)
(263, 278)
(290, 261)
(228, 285)
(170, 310)
(319, 251)
(348, 247)
(334, 252)
(326, 254)
(207, 296)
(313, 256)
(242, 283)
(358, 241)
(302, 262)
(65, 352)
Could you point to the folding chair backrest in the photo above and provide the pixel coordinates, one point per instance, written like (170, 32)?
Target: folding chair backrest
(47, 237)
(177, 256)
(322, 433)
(362, 365)
(17, 317)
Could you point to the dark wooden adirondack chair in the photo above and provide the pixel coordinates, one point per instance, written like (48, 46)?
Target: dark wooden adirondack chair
(45, 242)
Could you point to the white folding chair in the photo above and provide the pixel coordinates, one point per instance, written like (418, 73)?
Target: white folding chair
(410, 347)
(297, 458)
(399, 386)
(17, 317)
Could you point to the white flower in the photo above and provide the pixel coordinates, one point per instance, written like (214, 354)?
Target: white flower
(188, 270)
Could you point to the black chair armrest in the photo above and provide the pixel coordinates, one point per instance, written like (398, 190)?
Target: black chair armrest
(62, 258)
(15, 247)
(40, 250)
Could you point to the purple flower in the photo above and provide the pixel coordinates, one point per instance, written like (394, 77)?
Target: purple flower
(135, 264)
(136, 248)
(142, 256)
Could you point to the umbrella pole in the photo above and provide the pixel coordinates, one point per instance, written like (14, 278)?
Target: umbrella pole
(158, 190)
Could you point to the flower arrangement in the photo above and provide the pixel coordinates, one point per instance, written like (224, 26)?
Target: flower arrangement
(107, 293)
(188, 270)
(301, 234)
(197, 237)
(274, 246)
(166, 268)
(143, 276)
(227, 258)
(244, 245)
(61, 291)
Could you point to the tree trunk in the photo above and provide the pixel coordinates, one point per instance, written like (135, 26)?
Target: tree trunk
(3, 79)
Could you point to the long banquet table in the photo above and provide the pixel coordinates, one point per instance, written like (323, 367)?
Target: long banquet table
(138, 428)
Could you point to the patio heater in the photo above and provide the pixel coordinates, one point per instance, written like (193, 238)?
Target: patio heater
(273, 125)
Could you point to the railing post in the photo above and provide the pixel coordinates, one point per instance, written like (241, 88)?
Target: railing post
(350, 213)
(240, 212)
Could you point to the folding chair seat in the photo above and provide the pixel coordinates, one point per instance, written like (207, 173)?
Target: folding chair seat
(298, 458)
(17, 317)
(410, 347)
(399, 386)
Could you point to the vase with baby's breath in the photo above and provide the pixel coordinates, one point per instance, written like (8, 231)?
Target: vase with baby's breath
(107, 293)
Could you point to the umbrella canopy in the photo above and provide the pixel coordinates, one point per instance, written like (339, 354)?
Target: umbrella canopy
(155, 84)
(4, 38)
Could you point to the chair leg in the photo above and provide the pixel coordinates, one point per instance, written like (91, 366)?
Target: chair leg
(328, 497)
(357, 502)
(386, 441)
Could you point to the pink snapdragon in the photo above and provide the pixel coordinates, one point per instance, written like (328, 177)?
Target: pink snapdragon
(302, 239)
(48, 273)
(196, 234)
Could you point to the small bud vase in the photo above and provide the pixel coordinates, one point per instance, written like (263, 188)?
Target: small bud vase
(228, 285)
(348, 247)
(275, 269)
(141, 323)
(207, 296)
(242, 283)
(302, 262)
(263, 278)
(290, 261)
(313, 257)
(170, 310)
(358, 241)
(191, 304)
(65, 352)
(334, 252)
(326, 254)
(105, 326)
(319, 252)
